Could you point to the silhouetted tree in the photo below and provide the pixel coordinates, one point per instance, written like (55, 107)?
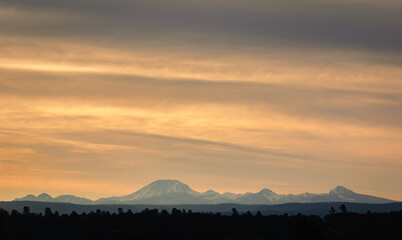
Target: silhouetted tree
(14, 213)
(3, 214)
(150, 224)
(248, 214)
(74, 214)
(120, 211)
(48, 212)
(56, 214)
(176, 212)
(343, 208)
(26, 210)
(332, 210)
(129, 213)
(235, 212)
(164, 212)
(4, 232)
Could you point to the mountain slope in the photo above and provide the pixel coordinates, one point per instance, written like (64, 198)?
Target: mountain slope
(343, 194)
(164, 192)
(158, 192)
(160, 188)
(60, 199)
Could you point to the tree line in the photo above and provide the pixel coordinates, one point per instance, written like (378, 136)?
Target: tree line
(182, 224)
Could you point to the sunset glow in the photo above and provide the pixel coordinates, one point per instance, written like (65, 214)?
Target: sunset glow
(101, 100)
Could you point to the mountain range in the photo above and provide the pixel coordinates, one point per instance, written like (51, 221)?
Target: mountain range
(165, 192)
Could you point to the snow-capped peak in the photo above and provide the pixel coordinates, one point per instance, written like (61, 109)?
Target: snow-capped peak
(160, 187)
(339, 190)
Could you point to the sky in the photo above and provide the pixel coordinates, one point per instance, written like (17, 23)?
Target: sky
(99, 98)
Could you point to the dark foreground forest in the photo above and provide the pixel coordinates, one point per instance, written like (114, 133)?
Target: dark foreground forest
(181, 224)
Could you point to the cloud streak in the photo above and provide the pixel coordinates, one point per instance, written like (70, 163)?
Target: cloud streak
(290, 22)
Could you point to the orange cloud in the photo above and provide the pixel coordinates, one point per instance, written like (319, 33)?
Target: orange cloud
(93, 117)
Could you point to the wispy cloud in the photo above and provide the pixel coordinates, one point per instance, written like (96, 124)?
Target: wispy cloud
(60, 171)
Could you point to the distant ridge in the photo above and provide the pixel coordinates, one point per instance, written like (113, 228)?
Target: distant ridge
(60, 199)
(168, 192)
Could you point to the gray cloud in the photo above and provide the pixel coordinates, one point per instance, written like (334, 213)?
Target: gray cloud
(369, 26)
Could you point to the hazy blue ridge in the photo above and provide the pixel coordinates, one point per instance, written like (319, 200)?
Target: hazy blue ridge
(171, 192)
